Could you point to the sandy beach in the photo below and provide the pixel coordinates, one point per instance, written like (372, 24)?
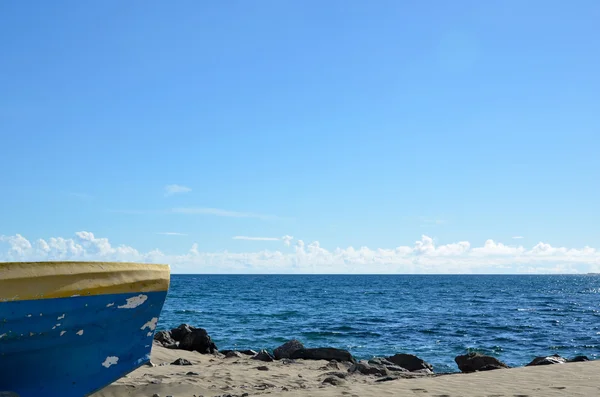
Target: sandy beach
(211, 375)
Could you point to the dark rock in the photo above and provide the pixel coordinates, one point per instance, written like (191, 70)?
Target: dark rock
(178, 333)
(323, 353)
(197, 340)
(169, 346)
(262, 368)
(164, 338)
(192, 373)
(424, 371)
(555, 359)
(263, 355)
(286, 350)
(234, 354)
(181, 361)
(366, 369)
(333, 380)
(578, 359)
(244, 352)
(410, 362)
(288, 361)
(478, 362)
(380, 361)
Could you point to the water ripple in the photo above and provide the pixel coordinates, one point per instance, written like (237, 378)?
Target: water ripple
(436, 317)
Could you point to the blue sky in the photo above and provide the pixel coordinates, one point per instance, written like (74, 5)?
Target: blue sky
(350, 123)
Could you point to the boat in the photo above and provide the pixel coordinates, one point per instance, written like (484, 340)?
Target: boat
(69, 329)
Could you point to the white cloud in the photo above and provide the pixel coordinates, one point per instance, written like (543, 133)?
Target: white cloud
(176, 189)
(255, 238)
(517, 237)
(424, 256)
(219, 212)
(287, 240)
(171, 234)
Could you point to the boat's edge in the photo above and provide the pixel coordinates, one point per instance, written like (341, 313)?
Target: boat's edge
(61, 279)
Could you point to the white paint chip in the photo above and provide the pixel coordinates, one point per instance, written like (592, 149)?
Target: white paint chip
(150, 324)
(110, 360)
(149, 333)
(80, 332)
(62, 333)
(110, 304)
(29, 315)
(61, 317)
(2, 336)
(134, 302)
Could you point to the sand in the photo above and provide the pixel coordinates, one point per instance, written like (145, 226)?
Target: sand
(215, 376)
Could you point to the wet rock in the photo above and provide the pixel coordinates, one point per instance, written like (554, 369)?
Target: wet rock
(323, 353)
(549, 360)
(473, 362)
(286, 350)
(262, 368)
(263, 355)
(366, 369)
(333, 380)
(578, 359)
(409, 361)
(181, 361)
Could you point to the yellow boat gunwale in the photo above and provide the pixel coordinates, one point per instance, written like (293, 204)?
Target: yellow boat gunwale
(62, 279)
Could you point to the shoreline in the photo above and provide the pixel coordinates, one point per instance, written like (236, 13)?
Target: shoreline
(185, 362)
(214, 375)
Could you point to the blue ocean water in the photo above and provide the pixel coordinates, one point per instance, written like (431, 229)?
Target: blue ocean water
(514, 318)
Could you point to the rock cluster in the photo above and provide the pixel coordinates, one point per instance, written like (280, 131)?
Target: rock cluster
(473, 362)
(186, 337)
(399, 365)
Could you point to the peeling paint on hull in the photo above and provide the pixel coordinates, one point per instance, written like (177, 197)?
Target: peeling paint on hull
(94, 344)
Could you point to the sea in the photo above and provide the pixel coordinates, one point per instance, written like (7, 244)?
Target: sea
(436, 317)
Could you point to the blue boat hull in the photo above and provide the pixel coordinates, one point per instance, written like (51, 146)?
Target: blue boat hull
(72, 347)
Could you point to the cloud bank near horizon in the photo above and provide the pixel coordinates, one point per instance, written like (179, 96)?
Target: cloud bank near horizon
(424, 257)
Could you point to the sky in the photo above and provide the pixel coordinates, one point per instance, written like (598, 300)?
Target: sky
(302, 136)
